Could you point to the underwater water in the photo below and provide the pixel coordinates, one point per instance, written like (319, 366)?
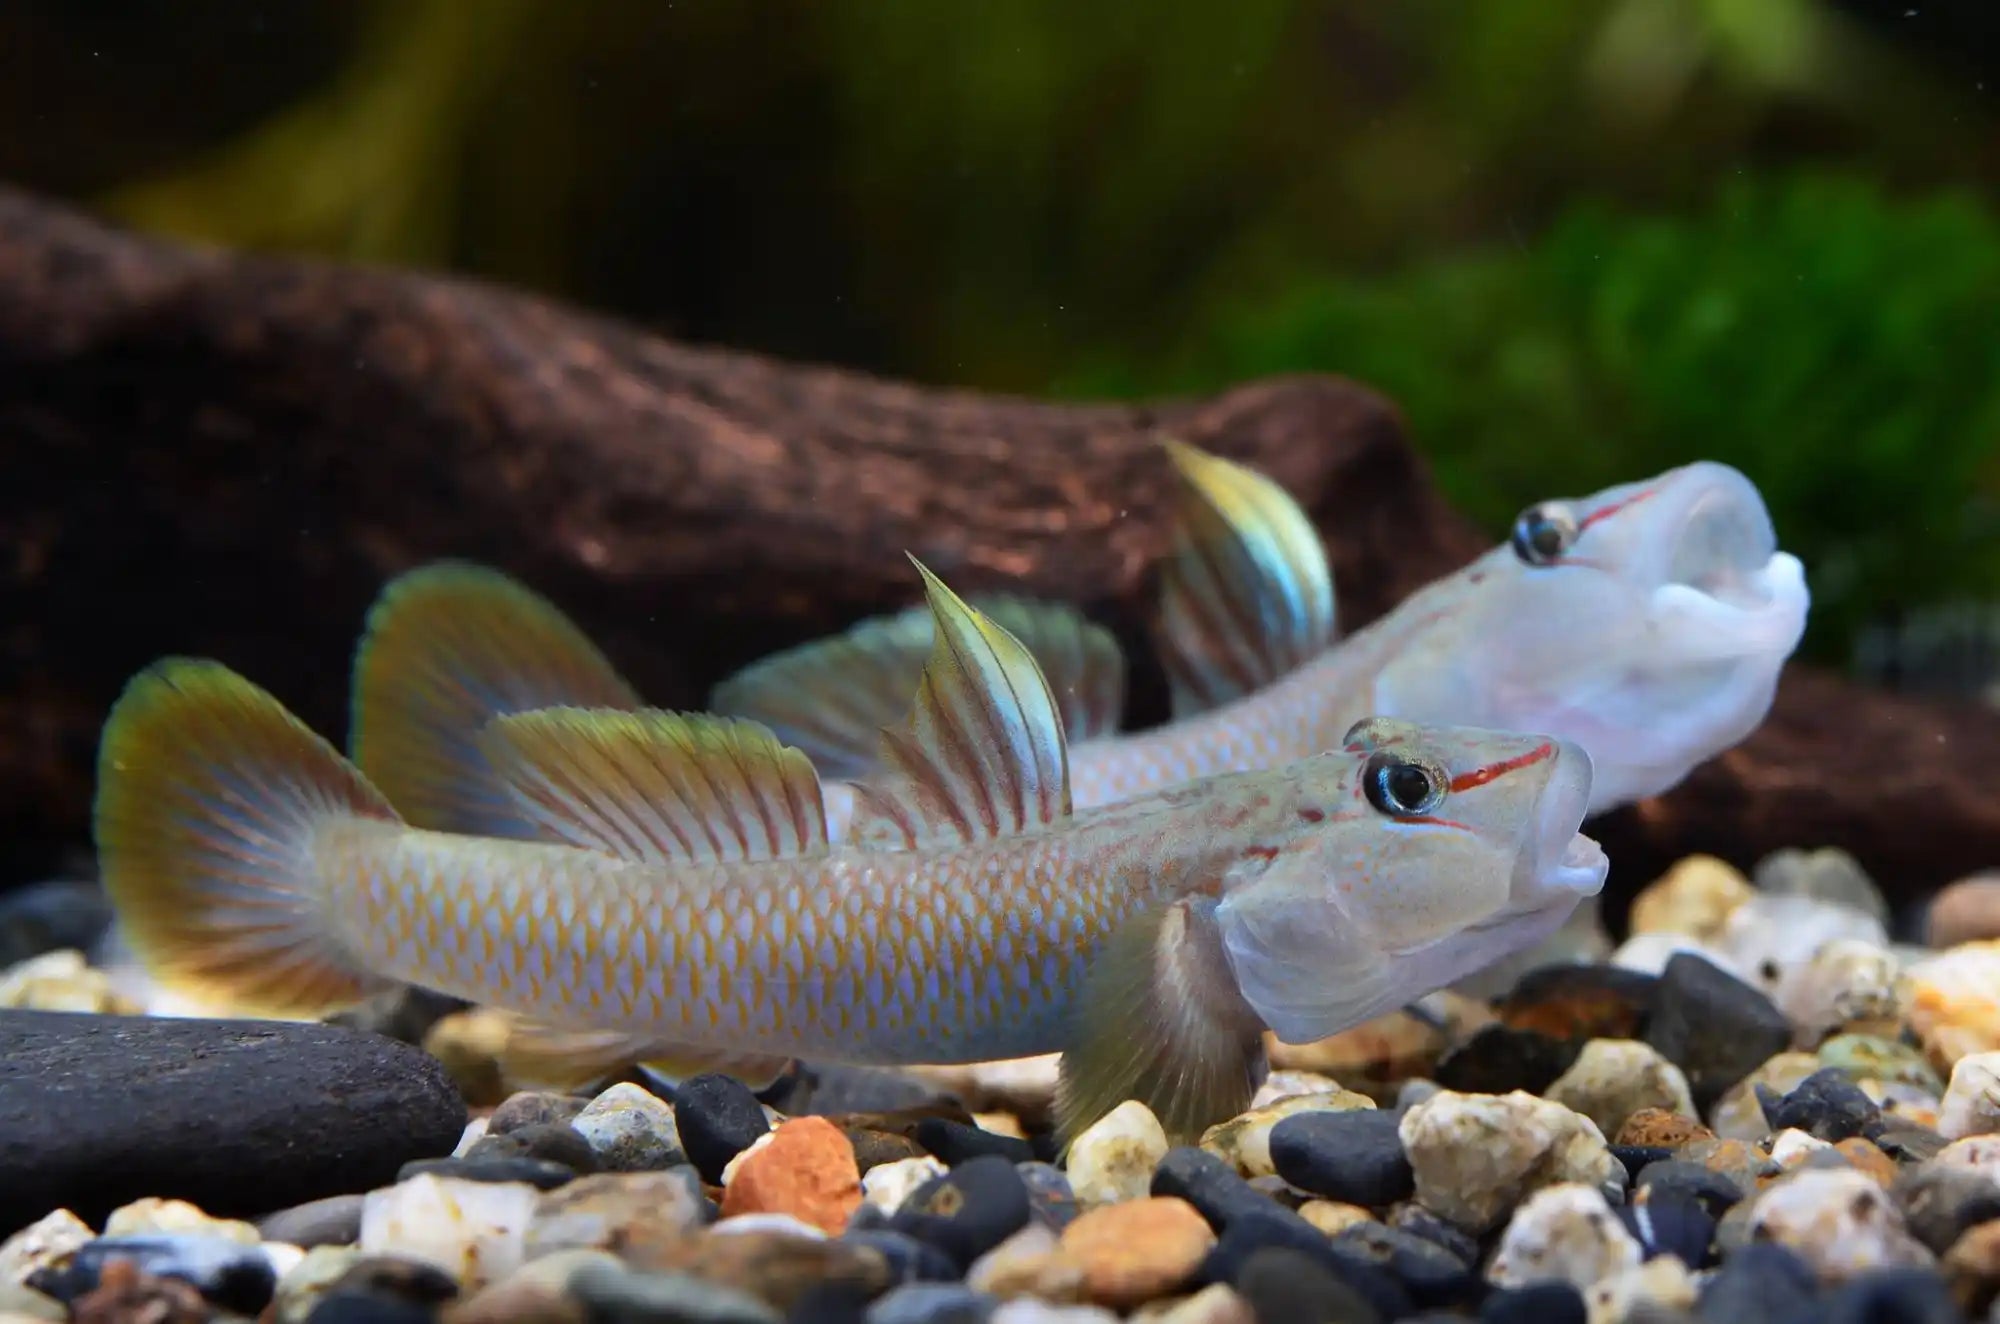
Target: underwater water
(809, 662)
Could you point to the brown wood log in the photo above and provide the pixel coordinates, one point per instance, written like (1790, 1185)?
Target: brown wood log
(227, 454)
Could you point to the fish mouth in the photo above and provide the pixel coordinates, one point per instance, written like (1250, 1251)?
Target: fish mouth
(1721, 589)
(1563, 859)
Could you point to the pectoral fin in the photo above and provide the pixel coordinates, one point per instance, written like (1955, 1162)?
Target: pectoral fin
(1246, 593)
(1159, 1021)
(544, 1056)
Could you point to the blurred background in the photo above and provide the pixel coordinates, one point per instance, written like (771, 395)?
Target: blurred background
(1577, 241)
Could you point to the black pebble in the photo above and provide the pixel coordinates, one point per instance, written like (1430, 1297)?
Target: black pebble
(1892, 1296)
(1537, 1303)
(967, 1211)
(1355, 1157)
(1635, 1157)
(534, 1108)
(955, 1142)
(1432, 1275)
(718, 1118)
(1713, 1026)
(910, 1260)
(1288, 1287)
(46, 917)
(1418, 1221)
(1050, 1193)
(1211, 1185)
(539, 1173)
(342, 1307)
(1826, 1105)
(1907, 1142)
(1498, 1058)
(231, 1275)
(557, 1142)
(1251, 1235)
(1763, 1283)
(1667, 1221)
(1940, 1202)
(1715, 1192)
(931, 1303)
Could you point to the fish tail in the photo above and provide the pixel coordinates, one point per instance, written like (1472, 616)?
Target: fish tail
(210, 795)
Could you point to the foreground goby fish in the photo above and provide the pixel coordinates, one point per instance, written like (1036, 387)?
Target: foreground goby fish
(686, 902)
(1647, 623)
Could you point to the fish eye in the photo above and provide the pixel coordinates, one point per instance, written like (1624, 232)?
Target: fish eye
(1401, 786)
(1543, 532)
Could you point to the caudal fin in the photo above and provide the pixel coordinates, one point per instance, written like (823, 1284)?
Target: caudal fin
(209, 797)
(448, 647)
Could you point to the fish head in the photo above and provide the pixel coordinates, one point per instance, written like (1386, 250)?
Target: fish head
(1647, 623)
(1431, 852)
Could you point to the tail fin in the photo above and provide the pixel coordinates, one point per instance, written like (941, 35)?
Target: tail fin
(448, 647)
(209, 794)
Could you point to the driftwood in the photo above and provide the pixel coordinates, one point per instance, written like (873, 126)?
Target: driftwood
(222, 454)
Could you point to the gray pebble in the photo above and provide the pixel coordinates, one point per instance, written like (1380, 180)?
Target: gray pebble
(334, 1221)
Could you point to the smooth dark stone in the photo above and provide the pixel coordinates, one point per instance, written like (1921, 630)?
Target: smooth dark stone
(969, 1210)
(932, 1303)
(1212, 1186)
(1286, 1286)
(1418, 1221)
(955, 1142)
(1355, 1157)
(1715, 1192)
(718, 1118)
(400, 1278)
(534, 1108)
(621, 1295)
(1248, 1236)
(1940, 1202)
(345, 1307)
(1667, 1221)
(1536, 1303)
(1763, 1283)
(1635, 1157)
(231, 1275)
(552, 1142)
(1892, 1296)
(909, 1260)
(1497, 1059)
(51, 916)
(1050, 1193)
(874, 1148)
(235, 1116)
(1432, 1275)
(1826, 1104)
(539, 1173)
(334, 1221)
(1907, 1142)
(824, 1089)
(1713, 1026)
(1570, 1000)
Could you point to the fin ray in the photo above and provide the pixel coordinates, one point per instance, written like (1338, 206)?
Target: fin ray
(447, 647)
(664, 787)
(1246, 592)
(540, 1055)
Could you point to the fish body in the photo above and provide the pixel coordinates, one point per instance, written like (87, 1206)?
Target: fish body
(682, 899)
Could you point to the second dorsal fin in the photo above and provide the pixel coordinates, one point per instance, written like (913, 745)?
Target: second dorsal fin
(682, 788)
(1246, 594)
(982, 753)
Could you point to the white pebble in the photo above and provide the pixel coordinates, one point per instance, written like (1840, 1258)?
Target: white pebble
(472, 1230)
(1792, 1147)
(475, 1131)
(1284, 1084)
(1770, 937)
(1981, 1153)
(301, 1287)
(629, 1129)
(1476, 1156)
(1662, 1282)
(1245, 1140)
(1114, 1158)
(783, 1224)
(1972, 1101)
(1840, 1220)
(1648, 953)
(44, 1242)
(1613, 1078)
(1845, 982)
(1568, 1232)
(887, 1185)
(153, 1215)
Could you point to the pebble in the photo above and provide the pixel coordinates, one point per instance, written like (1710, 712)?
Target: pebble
(1355, 1157)
(1940, 1202)
(1218, 1303)
(539, 1173)
(606, 1211)
(1537, 1303)
(42, 1244)
(805, 1168)
(1613, 1078)
(1841, 1221)
(1714, 1191)
(1332, 1217)
(1905, 1296)
(1285, 1084)
(1498, 1059)
(1565, 1231)
(1791, 1148)
(1954, 1005)
(931, 1303)
(887, 1185)
(1029, 1263)
(51, 916)
(1209, 1183)
(1431, 1274)
(1972, 1267)
(235, 1276)
(1827, 873)
(1739, 1113)
(309, 1281)
(1713, 1026)
(1693, 898)
(473, 1231)
(955, 1141)
(1979, 1154)
(1670, 1222)
(1413, 1218)
(1659, 1128)
(1476, 1156)
(1114, 1157)
(715, 1121)
(1771, 938)
(1826, 1105)
(1965, 911)
(1579, 1002)
(1972, 1100)
(1764, 1281)
(969, 1210)
(630, 1130)
(908, 1259)
(1847, 983)
(1050, 1196)
(1372, 1058)
(534, 1108)
(1023, 1086)
(1648, 953)
(1283, 1284)
(61, 981)
(1132, 1252)
(612, 1292)
(1866, 1057)
(1245, 1140)
(1661, 1289)
(552, 1142)
(235, 1116)
(780, 1266)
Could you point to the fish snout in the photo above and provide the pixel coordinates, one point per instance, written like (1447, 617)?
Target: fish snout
(1566, 860)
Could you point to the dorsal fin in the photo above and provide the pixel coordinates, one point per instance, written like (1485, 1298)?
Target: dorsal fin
(680, 788)
(447, 647)
(832, 697)
(1246, 594)
(982, 752)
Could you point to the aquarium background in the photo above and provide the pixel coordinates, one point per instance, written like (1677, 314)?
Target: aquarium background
(1575, 242)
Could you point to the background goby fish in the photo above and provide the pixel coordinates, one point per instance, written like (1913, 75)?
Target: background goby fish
(684, 898)
(1647, 623)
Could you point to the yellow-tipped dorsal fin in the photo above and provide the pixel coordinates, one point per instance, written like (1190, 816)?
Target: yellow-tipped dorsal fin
(1246, 594)
(678, 788)
(982, 753)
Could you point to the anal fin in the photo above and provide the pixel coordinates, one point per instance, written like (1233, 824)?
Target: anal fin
(1246, 594)
(540, 1055)
(1159, 1021)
